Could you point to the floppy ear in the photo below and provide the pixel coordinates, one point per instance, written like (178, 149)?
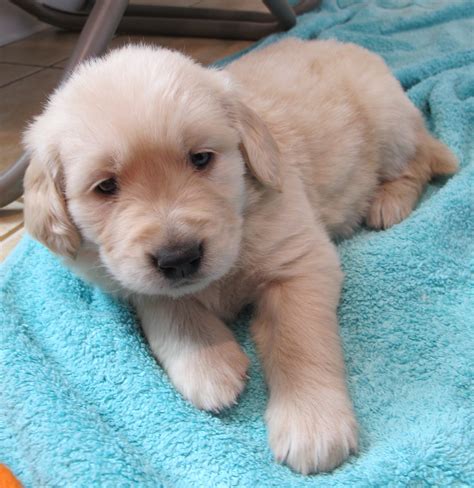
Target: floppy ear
(46, 215)
(258, 148)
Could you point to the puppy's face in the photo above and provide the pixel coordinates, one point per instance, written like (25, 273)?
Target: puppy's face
(141, 155)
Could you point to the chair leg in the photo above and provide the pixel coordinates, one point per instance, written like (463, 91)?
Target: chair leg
(11, 180)
(98, 31)
(283, 12)
(95, 36)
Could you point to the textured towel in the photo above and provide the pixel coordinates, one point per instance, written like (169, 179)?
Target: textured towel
(82, 402)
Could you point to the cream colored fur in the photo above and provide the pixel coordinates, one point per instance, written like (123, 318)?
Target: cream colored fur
(310, 140)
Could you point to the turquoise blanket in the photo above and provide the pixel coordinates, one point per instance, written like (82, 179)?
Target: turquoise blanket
(82, 402)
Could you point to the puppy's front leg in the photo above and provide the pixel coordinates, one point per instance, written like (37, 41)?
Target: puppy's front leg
(198, 351)
(310, 420)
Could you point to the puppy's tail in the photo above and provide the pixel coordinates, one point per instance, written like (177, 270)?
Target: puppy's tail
(395, 199)
(441, 161)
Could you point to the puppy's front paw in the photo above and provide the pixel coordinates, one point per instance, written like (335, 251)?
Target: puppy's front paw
(211, 377)
(309, 437)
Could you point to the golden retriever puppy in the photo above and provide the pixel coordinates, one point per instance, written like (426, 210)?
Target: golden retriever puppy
(194, 191)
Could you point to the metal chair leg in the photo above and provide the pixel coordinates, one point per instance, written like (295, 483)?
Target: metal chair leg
(11, 180)
(98, 31)
(95, 36)
(283, 12)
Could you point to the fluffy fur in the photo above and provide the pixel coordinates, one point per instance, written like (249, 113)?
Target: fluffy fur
(310, 139)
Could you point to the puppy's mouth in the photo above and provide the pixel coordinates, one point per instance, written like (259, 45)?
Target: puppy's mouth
(186, 286)
(176, 284)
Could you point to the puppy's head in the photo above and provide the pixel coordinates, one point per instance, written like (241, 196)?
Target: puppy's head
(142, 154)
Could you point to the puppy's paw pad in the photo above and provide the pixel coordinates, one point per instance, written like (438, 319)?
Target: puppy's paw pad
(211, 379)
(311, 440)
(389, 207)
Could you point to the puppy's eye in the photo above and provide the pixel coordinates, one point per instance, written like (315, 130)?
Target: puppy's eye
(201, 159)
(107, 187)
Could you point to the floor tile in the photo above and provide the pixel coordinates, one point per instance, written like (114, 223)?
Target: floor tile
(12, 72)
(42, 49)
(18, 103)
(7, 246)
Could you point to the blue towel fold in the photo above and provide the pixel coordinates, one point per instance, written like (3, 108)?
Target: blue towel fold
(82, 402)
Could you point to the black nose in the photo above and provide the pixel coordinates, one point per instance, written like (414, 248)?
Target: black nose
(179, 261)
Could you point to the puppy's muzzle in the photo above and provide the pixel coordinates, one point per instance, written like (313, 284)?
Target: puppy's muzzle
(179, 262)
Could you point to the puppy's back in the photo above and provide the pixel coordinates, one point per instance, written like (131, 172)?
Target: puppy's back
(338, 114)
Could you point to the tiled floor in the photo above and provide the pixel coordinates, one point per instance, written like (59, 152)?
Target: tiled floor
(32, 67)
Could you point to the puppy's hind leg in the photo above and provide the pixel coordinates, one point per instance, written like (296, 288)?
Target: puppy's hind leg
(395, 199)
